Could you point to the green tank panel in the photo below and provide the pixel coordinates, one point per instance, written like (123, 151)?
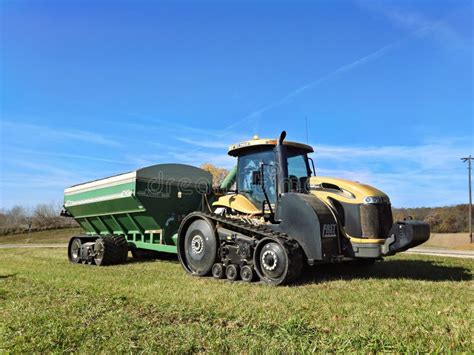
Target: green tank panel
(146, 205)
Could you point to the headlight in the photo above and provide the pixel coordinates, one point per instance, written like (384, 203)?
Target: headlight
(376, 199)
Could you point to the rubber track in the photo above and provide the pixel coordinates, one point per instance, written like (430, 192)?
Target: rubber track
(294, 251)
(116, 249)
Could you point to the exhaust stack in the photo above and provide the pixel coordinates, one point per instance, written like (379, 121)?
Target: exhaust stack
(282, 164)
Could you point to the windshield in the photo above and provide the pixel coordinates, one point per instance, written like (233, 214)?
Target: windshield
(251, 162)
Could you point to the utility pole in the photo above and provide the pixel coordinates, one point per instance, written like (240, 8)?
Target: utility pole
(469, 167)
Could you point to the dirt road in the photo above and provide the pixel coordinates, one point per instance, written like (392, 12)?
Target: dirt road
(469, 254)
(52, 245)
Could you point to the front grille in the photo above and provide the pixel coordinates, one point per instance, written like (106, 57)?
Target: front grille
(376, 220)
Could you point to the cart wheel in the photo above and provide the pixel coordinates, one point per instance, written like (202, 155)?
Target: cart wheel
(74, 250)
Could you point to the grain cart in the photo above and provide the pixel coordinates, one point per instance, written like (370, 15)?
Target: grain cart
(270, 217)
(140, 210)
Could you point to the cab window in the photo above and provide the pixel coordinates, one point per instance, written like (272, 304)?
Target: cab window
(298, 170)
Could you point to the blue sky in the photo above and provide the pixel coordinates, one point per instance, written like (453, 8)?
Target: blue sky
(90, 89)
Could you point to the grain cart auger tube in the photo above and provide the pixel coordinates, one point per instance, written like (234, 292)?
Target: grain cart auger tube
(275, 216)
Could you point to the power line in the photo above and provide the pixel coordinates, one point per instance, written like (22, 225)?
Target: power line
(469, 168)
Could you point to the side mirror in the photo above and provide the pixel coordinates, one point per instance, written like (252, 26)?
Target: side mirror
(256, 177)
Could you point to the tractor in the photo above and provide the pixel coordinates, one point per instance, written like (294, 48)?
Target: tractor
(271, 216)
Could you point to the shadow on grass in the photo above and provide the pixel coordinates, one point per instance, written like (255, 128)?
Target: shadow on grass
(7, 276)
(387, 269)
(157, 257)
(390, 269)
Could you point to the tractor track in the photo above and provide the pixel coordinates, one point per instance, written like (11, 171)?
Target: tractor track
(293, 249)
(245, 228)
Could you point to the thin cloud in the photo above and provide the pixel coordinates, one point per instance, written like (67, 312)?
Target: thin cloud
(58, 134)
(202, 139)
(204, 143)
(146, 123)
(437, 155)
(418, 28)
(408, 20)
(194, 157)
(314, 83)
(197, 158)
(430, 172)
(41, 167)
(70, 156)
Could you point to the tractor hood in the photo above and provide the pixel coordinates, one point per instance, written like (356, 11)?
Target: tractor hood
(345, 190)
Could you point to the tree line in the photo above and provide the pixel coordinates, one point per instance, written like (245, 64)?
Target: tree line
(44, 216)
(449, 219)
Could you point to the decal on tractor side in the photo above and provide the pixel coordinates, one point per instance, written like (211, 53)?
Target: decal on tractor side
(329, 230)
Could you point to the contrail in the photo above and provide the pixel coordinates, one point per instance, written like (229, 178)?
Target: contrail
(310, 85)
(345, 68)
(361, 61)
(254, 114)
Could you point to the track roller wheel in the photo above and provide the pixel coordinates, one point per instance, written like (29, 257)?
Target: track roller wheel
(278, 261)
(197, 251)
(218, 271)
(74, 250)
(246, 273)
(110, 250)
(232, 272)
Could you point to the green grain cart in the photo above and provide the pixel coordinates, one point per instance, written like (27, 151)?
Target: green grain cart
(140, 210)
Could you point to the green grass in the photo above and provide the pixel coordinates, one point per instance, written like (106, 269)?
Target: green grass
(407, 303)
(49, 236)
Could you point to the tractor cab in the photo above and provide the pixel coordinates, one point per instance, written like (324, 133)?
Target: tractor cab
(263, 172)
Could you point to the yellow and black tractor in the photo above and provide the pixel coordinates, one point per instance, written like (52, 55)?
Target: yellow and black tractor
(272, 215)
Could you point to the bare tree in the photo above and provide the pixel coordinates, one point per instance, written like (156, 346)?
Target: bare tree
(218, 174)
(44, 216)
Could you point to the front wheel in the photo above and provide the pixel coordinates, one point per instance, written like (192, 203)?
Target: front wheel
(277, 261)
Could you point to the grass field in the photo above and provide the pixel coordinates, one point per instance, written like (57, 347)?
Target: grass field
(49, 236)
(407, 303)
